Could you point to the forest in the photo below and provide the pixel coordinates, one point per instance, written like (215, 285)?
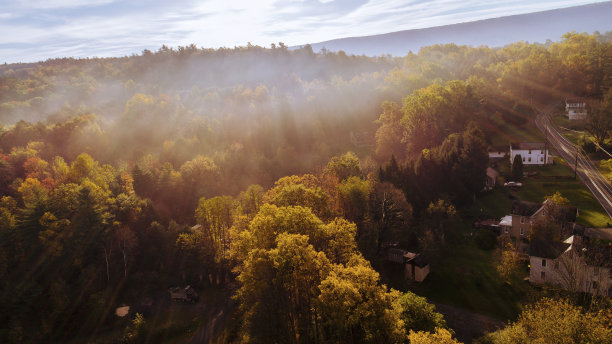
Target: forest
(270, 177)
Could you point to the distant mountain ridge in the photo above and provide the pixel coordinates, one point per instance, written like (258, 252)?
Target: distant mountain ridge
(495, 32)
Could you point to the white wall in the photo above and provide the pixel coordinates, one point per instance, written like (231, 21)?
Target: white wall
(530, 157)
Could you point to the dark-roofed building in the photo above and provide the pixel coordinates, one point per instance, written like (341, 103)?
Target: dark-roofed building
(543, 264)
(526, 214)
(576, 264)
(416, 265)
(532, 153)
(547, 249)
(521, 213)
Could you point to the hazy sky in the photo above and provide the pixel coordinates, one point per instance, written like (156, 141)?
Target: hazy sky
(35, 30)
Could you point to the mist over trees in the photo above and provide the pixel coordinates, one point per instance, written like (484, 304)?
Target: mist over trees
(276, 172)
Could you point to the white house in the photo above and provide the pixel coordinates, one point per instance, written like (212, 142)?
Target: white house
(532, 153)
(576, 108)
(573, 265)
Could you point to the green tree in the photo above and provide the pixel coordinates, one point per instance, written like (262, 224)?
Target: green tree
(344, 166)
(251, 199)
(136, 332)
(278, 287)
(354, 198)
(554, 321)
(508, 264)
(199, 176)
(216, 216)
(32, 192)
(390, 211)
(355, 307)
(517, 167)
(599, 119)
(390, 133)
(440, 336)
(419, 315)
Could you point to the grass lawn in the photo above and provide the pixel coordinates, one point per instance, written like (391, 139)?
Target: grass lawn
(549, 179)
(466, 276)
(500, 133)
(560, 178)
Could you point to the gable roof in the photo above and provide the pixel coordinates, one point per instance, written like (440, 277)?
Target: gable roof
(547, 249)
(566, 213)
(417, 259)
(524, 208)
(528, 145)
(569, 213)
(492, 173)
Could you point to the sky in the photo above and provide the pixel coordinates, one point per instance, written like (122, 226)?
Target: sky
(35, 30)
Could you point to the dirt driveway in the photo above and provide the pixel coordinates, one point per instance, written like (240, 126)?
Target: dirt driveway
(467, 324)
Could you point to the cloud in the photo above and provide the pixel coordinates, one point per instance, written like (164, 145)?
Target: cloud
(51, 4)
(42, 29)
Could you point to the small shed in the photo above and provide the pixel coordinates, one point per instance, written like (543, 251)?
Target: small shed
(416, 265)
(491, 179)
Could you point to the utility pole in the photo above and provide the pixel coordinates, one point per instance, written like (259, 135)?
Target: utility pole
(576, 164)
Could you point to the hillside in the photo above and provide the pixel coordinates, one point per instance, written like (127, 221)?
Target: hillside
(496, 32)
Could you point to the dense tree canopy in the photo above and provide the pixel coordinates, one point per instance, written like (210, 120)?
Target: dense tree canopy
(255, 169)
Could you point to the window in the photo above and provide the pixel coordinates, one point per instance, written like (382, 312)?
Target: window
(529, 159)
(541, 159)
(541, 152)
(523, 159)
(594, 285)
(522, 231)
(544, 262)
(530, 151)
(543, 275)
(522, 219)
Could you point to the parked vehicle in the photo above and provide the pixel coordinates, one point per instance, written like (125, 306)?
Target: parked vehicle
(513, 184)
(187, 294)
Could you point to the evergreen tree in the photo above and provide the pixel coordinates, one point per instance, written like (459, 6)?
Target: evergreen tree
(517, 167)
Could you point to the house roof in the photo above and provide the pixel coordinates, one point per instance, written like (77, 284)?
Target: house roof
(524, 208)
(566, 213)
(416, 258)
(396, 251)
(547, 249)
(569, 213)
(506, 221)
(492, 173)
(528, 145)
(594, 253)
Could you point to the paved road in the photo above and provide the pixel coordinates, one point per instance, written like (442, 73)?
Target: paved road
(599, 186)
